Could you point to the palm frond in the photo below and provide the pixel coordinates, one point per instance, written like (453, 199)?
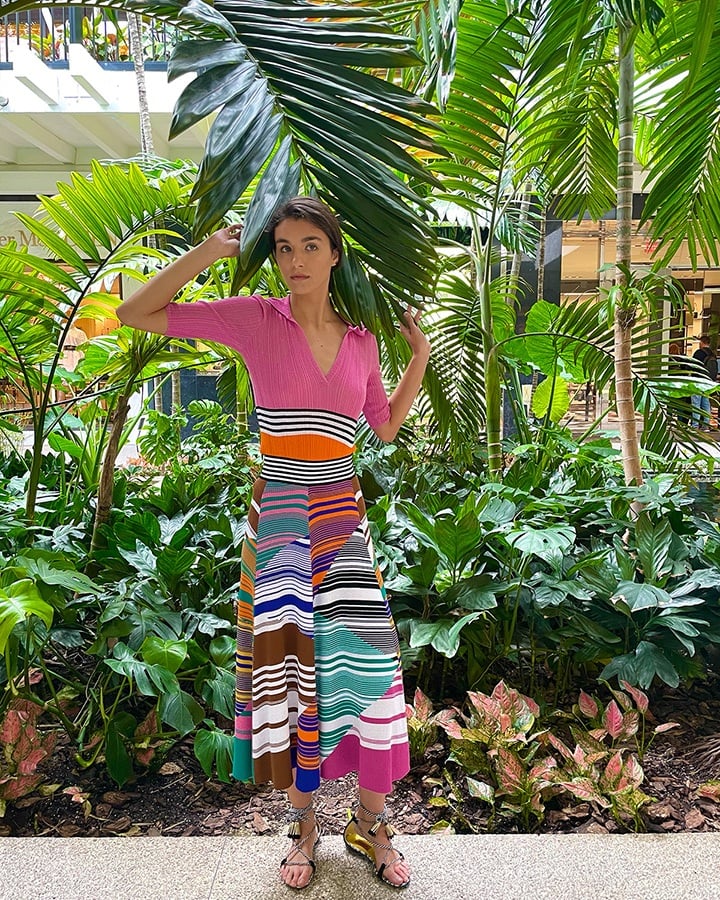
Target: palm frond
(575, 342)
(432, 26)
(684, 200)
(342, 132)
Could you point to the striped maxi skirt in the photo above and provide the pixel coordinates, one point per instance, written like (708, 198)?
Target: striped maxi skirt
(319, 683)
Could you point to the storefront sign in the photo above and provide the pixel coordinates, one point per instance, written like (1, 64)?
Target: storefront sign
(11, 229)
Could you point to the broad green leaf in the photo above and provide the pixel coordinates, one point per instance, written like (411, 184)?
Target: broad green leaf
(222, 649)
(173, 563)
(547, 348)
(119, 763)
(142, 559)
(474, 593)
(639, 596)
(170, 654)
(424, 633)
(180, 711)
(190, 56)
(210, 90)
(457, 540)
(443, 635)
(17, 602)
(653, 546)
(43, 570)
(213, 750)
(551, 396)
(650, 661)
(278, 183)
(124, 663)
(202, 13)
(541, 541)
(219, 691)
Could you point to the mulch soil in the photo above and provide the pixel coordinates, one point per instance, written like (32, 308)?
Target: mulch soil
(180, 800)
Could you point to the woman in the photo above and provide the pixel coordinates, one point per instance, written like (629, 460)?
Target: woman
(319, 685)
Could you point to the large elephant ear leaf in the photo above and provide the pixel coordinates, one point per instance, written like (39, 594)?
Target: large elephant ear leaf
(279, 182)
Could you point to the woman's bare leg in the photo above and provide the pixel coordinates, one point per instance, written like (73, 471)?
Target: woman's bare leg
(297, 876)
(396, 869)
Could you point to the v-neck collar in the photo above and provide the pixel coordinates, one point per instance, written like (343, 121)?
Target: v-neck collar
(282, 305)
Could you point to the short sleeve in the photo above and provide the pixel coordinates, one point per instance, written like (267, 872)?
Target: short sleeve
(233, 322)
(377, 407)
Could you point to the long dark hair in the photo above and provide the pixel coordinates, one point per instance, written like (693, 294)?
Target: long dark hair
(314, 211)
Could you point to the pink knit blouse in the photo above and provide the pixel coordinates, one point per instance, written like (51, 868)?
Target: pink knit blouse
(283, 370)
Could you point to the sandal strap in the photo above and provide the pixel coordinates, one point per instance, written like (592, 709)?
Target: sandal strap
(298, 849)
(294, 816)
(298, 846)
(381, 818)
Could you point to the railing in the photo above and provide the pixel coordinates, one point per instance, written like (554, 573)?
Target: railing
(103, 33)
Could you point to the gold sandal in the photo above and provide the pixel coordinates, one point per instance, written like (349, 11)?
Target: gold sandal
(295, 816)
(365, 846)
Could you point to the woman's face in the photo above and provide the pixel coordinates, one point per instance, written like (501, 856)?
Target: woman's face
(304, 255)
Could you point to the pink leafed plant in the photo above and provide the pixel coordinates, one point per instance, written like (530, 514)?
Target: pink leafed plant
(24, 747)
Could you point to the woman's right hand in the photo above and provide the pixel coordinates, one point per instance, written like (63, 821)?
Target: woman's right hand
(226, 241)
(145, 309)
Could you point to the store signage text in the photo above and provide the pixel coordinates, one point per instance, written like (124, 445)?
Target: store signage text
(22, 238)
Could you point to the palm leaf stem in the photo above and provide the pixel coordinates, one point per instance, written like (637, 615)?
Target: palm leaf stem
(493, 393)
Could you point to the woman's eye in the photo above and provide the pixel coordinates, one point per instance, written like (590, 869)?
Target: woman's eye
(311, 246)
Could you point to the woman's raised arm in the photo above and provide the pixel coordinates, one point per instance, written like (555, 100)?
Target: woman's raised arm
(404, 394)
(146, 308)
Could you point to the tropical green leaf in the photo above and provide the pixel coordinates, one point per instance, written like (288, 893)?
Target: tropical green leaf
(180, 711)
(18, 602)
(170, 654)
(684, 200)
(650, 661)
(639, 595)
(653, 547)
(541, 541)
(56, 572)
(443, 635)
(551, 398)
(119, 730)
(278, 183)
(213, 750)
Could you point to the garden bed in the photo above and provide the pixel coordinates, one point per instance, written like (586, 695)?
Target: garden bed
(179, 799)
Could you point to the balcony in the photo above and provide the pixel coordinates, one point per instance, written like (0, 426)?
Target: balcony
(103, 33)
(68, 94)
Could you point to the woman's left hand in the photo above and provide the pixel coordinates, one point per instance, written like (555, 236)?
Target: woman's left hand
(410, 330)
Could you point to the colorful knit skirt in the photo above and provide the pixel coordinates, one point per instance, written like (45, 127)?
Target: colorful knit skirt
(319, 683)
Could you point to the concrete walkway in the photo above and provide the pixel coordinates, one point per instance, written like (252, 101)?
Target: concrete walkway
(496, 867)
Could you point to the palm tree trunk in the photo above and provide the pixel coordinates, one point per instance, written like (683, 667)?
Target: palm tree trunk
(136, 51)
(175, 392)
(625, 309)
(119, 417)
(147, 149)
(541, 253)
